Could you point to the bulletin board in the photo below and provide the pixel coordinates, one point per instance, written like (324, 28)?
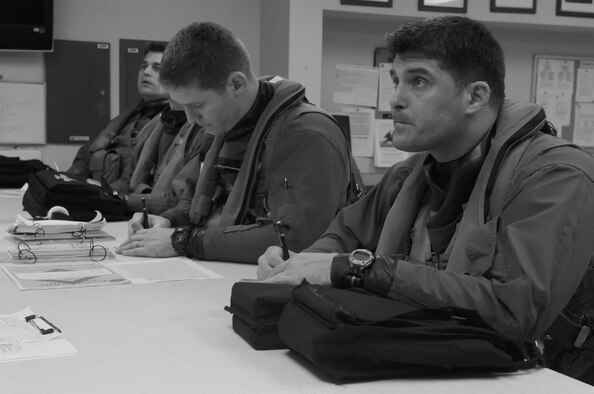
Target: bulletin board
(564, 87)
(78, 91)
(22, 113)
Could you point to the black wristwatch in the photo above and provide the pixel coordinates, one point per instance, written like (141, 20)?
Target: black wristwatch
(360, 260)
(180, 239)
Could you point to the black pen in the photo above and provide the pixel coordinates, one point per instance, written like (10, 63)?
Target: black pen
(145, 221)
(283, 239)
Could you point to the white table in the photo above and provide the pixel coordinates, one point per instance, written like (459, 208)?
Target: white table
(175, 337)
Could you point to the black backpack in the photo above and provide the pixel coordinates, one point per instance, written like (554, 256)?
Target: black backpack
(49, 188)
(15, 172)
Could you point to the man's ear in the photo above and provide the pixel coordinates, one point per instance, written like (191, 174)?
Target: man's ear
(479, 95)
(237, 82)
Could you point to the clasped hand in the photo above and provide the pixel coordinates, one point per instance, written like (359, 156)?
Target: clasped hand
(313, 267)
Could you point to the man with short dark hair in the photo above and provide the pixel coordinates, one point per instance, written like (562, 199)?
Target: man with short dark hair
(276, 164)
(493, 214)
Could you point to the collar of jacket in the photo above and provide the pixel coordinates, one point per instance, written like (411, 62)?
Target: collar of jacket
(515, 123)
(115, 125)
(286, 95)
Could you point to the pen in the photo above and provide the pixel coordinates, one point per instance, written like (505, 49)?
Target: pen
(145, 221)
(283, 239)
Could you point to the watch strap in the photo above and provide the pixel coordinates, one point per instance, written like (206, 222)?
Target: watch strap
(339, 269)
(195, 247)
(180, 239)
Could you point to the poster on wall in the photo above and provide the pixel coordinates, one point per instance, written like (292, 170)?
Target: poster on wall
(564, 87)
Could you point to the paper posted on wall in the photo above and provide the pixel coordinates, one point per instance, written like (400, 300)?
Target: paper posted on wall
(385, 154)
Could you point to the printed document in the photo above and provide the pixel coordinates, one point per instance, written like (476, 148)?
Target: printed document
(161, 270)
(20, 339)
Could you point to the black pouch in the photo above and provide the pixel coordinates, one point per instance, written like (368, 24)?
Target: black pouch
(256, 309)
(350, 336)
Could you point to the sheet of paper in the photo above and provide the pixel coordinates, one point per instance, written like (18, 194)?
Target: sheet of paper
(583, 133)
(19, 339)
(25, 351)
(555, 77)
(160, 270)
(43, 276)
(585, 84)
(386, 87)
(385, 154)
(361, 122)
(14, 329)
(356, 85)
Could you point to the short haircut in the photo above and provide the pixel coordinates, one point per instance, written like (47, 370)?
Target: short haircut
(153, 46)
(203, 54)
(462, 46)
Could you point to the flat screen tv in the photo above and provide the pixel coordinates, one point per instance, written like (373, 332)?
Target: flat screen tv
(26, 25)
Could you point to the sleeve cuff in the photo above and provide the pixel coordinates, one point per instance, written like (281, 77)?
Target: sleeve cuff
(195, 247)
(339, 269)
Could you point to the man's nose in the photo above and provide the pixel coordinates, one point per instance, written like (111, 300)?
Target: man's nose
(192, 116)
(397, 99)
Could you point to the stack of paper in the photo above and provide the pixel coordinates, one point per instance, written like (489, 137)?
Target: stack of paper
(22, 338)
(56, 252)
(26, 228)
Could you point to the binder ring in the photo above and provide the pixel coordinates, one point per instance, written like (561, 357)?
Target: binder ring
(26, 254)
(41, 231)
(82, 233)
(97, 251)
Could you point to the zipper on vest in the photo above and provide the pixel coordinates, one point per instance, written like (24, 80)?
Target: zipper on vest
(436, 260)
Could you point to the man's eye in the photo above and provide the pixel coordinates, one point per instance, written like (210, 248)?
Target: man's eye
(420, 82)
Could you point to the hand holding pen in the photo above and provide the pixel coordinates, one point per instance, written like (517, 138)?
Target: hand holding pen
(145, 219)
(282, 237)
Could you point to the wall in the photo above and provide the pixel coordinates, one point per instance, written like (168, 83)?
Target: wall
(274, 37)
(110, 20)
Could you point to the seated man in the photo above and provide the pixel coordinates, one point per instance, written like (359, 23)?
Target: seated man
(274, 158)
(160, 178)
(166, 154)
(160, 132)
(493, 214)
(108, 155)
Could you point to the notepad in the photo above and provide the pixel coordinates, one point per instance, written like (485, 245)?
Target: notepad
(61, 275)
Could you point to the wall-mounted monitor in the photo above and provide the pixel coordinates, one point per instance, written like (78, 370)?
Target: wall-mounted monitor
(26, 25)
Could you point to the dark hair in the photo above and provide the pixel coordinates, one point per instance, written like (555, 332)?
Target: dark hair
(154, 46)
(205, 54)
(462, 46)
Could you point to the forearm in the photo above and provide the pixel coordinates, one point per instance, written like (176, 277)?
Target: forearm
(180, 214)
(240, 243)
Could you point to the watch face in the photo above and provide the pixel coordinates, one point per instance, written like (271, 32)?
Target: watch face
(360, 255)
(361, 258)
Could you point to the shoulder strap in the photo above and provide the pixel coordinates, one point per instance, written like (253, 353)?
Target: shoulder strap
(507, 169)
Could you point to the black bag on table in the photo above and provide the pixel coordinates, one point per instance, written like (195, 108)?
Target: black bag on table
(350, 335)
(256, 309)
(49, 188)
